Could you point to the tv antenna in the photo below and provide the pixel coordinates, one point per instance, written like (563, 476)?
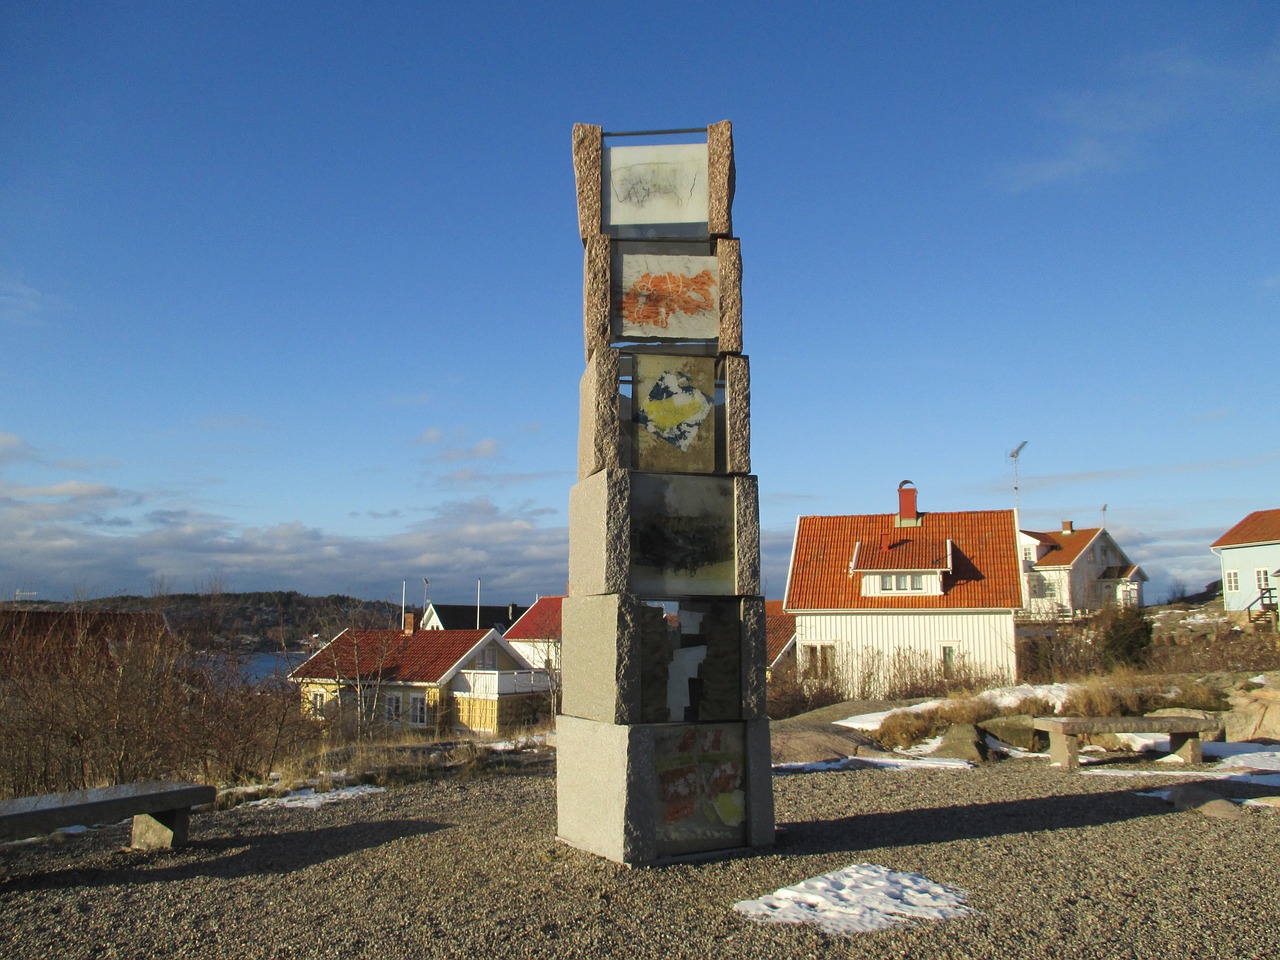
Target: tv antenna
(1104, 516)
(1013, 458)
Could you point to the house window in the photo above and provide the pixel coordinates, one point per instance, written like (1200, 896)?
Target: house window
(1263, 578)
(1233, 581)
(886, 582)
(917, 582)
(391, 707)
(317, 704)
(418, 709)
(1026, 553)
(820, 661)
(900, 582)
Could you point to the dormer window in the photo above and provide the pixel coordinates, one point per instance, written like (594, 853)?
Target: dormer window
(902, 583)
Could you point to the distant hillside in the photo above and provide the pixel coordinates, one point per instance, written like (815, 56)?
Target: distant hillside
(248, 621)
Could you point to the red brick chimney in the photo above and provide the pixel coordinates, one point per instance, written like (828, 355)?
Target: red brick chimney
(884, 540)
(908, 516)
(1068, 526)
(408, 624)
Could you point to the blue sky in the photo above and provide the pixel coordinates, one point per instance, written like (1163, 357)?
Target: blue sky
(290, 295)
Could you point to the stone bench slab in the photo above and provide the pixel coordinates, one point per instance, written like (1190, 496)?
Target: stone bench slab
(160, 809)
(1064, 734)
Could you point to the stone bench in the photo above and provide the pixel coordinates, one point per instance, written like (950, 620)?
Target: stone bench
(1064, 734)
(161, 811)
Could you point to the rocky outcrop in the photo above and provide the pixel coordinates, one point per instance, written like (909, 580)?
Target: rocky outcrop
(1254, 714)
(1017, 731)
(962, 741)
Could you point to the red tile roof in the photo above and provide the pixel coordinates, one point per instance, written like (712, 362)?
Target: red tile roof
(779, 628)
(985, 571)
(772, 607)
(1261, 526)
(903, 551)
(539, 622)
(1064, 548)
(423, 656)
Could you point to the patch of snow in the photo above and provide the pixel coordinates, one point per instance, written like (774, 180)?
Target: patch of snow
(311, 800)
(1010, 751)
(1002, 697)
(1247, 756)
(858, 899)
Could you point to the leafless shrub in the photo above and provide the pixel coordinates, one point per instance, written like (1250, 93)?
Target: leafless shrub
(910, 674)
(790, 695)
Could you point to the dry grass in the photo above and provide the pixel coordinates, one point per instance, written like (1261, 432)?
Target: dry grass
(908, 727)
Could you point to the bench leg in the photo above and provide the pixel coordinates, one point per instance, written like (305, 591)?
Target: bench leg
(160, 831)
(1064, 750)
(1186, 746)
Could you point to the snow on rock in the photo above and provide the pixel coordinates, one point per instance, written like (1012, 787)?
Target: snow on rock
(1001, 697)
(858, 899)
(899, 762)
(311, 800)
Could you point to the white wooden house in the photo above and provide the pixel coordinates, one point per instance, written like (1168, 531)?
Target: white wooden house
(939, 588)
(1072, 573)
(1250, 556)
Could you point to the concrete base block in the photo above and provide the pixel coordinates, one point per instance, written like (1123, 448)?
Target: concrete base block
(654, 792)
(602, 804)
(160, 831)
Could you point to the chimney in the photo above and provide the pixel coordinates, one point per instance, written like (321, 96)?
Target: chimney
(907, 513)
(884, 540)
(408, 624)
(1068, 526)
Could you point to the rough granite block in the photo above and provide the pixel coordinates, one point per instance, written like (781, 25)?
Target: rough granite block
(595, 294)
(747, 527)
(600, 428)
(760, 824)
(737, 402)
(600, 657)
(754, 655)
(588, 157)
(729, 253)
(720, 179)
(161, 830)
(602, 803)
(600, 534)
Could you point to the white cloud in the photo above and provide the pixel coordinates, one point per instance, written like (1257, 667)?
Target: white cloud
(22, 305)
(429, 435)
(486, 449)
(1106, 128)
(13, 449)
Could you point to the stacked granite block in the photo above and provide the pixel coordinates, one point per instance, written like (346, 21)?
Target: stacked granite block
(663, 740)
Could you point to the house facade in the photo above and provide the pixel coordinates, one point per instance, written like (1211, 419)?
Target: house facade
(1072, 573)
(875, 593)
(779, 638)
(470, 616)
(536, 635)
(1250, 556)
(435, 681)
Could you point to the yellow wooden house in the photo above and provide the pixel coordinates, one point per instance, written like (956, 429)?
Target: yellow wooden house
(434, 681)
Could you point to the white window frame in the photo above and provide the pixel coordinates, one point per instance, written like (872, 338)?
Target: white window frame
(418, 712)
(950, 653)
(392, 706)
(1232, 581)
(317, 704)
(1262, 576)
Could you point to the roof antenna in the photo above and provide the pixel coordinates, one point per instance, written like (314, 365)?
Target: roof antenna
(1104, 516)
(1013, 457)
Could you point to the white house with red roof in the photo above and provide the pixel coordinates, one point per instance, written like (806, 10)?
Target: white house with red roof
(468, 681)
(1250, 556)
(536, 635)
(779, 636)
(1072, 573)
(870, 591)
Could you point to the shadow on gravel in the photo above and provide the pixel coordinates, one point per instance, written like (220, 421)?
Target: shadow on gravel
(968, 822)
(230, 858)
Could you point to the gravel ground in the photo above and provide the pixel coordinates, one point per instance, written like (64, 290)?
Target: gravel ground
(1058, 865)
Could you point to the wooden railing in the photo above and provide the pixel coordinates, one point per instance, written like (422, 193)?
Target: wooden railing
(493, 683)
